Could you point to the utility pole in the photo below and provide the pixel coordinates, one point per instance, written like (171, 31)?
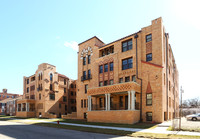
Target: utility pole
(182, 91)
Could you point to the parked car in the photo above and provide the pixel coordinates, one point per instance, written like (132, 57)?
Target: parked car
(193, 117)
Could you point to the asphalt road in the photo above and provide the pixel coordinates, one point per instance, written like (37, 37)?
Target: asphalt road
(11, 130)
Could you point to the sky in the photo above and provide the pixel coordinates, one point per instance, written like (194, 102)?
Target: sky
(48, 31)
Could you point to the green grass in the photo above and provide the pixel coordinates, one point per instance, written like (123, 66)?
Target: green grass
(163, 136)
(87, 129)
(137, 125)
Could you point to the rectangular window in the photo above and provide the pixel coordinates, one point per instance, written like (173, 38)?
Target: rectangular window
(105, 83)
(100, 84)
(111, 66)
(65, 91)
(86, 88)
(84, 60)
(149, 99)
(149, 57)
(51, 87)
(64, 81)
(65, 107)
(148, 38)
(111, 82)
(52, 96)
(81, 103)
(127, 79)
(134, 78)
(64, 99)
(32, 87)
(89, 59)
(121, 101)
(100, 102)
(101, 69)
(72, 93)
(106, 68)
(84, 75)
(127, 45)
(89, 74)
(59, 105)
(27, 90)
(120, 80)
(127, 63)
(39, 96)
(149, 116)
(27, 81)
(72, 86)
(84, 103)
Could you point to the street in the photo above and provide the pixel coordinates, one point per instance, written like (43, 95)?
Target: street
(11, 130)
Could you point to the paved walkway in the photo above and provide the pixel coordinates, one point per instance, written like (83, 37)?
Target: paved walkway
(160, 129)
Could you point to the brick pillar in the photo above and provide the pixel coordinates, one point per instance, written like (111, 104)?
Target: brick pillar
(89, 103)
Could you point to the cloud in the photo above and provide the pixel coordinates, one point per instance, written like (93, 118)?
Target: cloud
(73, 45)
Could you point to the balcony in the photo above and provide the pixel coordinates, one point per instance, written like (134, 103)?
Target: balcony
(83, 78)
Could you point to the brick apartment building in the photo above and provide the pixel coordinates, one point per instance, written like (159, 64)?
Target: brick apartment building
(46, 94)
(11, 106)
(132, 79)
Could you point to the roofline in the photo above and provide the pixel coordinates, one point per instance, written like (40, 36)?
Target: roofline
(90, 39)
(119, 39)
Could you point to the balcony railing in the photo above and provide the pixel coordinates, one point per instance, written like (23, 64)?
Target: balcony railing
(88, 77)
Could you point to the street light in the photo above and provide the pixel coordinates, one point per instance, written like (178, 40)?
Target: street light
(182, 91)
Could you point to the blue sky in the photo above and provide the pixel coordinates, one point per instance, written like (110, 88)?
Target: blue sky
(34, 32)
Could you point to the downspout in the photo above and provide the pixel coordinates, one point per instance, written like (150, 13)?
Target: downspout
(166, 40)
(136, 36)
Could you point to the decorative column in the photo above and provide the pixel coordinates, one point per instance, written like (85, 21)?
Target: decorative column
(132, 100)
(129, 100)
(21, 106)
(108, 101)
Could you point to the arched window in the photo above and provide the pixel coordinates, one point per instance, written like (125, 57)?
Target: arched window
(51, 77)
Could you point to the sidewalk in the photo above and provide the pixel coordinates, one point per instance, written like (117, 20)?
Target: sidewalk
(160, 129)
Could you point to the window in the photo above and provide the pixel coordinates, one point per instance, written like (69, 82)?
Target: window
(81, 103)
(105, 83)
(72, 86)
(51, 77)
(127, 63)
(84, 75)
(65, 107)
(101, 69)
(134, 78)
(148, 38)
(64, 99)
(89, 59)
(149, 99)
(84, 60)
(100, 84)
(7, 96)
(149, 116)
(59, 105)
(84, 103)
(89, 74)
(111, 66)
(120, 80)
(121, 101)
(106, 68)
(52, 96)
(27, 81)
(169, 85)
(127, 79)
(64, 81)
(39, 96)
(27, 90)
(51, 87)
(127, 45)
(33, 79)
(41, 76)
(100, 102)
(72, 93)
(65, 91)
(86, 88)
(111, 82)
(149, 57)
(32, 87)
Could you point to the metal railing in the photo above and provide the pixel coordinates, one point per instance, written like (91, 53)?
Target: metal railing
(88, 77)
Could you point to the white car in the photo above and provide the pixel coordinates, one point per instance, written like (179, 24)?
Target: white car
(193, 117)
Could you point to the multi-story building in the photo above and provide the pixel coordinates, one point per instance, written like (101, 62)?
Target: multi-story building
(5, 95)
(132, 79)
(46, 94)
(11, 106)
